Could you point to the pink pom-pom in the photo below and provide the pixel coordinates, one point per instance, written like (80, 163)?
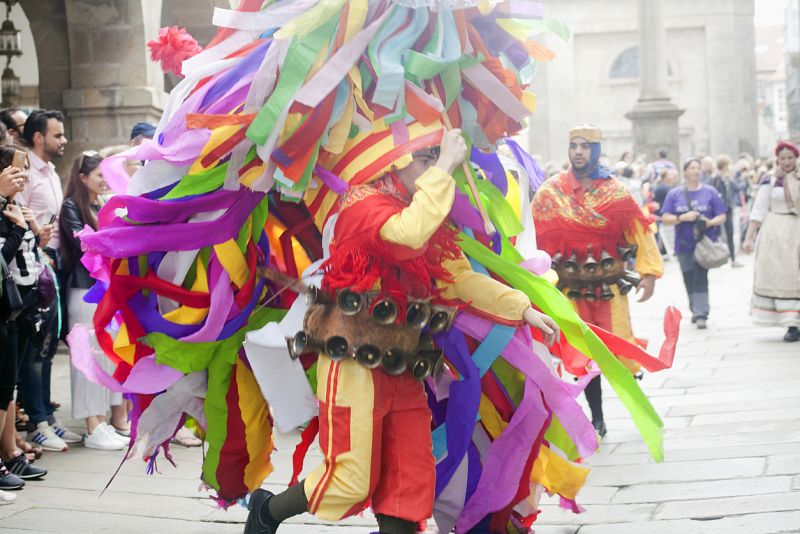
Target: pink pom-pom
(173, 46)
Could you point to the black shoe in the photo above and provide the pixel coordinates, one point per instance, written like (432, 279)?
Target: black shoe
(23, 468)
(259, 519)
(600, 426)
(793, 334)
(8, 480)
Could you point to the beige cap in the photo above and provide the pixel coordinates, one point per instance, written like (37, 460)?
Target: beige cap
(587, 131)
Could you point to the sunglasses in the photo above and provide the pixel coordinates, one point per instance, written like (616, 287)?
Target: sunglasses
(86, 154)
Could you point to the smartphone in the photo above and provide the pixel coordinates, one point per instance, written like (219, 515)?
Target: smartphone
(50, 217)
(20, 159)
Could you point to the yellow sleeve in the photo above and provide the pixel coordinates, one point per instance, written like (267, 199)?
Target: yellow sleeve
(431, 205)
(483, 292)
(648, 258)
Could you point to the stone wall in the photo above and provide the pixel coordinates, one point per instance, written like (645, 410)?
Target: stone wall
(710, 50)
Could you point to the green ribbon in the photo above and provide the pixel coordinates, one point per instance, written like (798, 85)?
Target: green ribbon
(579, 335)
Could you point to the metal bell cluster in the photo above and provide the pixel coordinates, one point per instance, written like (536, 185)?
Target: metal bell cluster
(426, 360)
(419, 313)
(591, 279)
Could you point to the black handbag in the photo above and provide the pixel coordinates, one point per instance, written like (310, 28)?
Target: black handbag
(11, 302)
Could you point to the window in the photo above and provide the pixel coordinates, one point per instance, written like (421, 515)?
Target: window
(626, 65)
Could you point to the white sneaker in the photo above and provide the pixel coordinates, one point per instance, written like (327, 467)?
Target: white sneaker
(45, 436)
(67, 435)
(7, 497)
(102, 440)
(114, 434)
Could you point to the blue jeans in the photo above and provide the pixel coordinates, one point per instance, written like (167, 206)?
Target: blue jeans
(695, 278)
(35, 369)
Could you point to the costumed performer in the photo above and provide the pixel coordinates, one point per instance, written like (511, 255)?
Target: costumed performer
(593, 228)
(391, 238)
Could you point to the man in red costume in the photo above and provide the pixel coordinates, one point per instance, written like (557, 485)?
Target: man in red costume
(374, 421)
(593, 229)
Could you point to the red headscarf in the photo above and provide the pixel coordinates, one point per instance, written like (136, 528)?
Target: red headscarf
(787, 144)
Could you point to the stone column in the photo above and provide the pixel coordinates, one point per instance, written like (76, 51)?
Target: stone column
(654, 117)
(113, 83)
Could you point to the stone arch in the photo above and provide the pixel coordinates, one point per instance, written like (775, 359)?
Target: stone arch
(48, 22)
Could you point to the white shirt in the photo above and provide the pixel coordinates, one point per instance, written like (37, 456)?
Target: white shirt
(43, 193)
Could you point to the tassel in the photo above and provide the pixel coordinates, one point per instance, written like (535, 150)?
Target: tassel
(173, 46)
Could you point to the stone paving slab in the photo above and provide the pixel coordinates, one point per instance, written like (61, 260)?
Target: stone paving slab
(730, 404)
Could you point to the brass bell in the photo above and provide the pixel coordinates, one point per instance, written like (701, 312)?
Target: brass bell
(369, 356)
(590, 265)
(570, 265)
(424, 364)
(385, 311)
(590, 293)
(417, 314)
(337, 348)
(606, 260)
(394, 362)
(441, 319)
(624, 286)
(555, 261)
(349, 302)
(315, 295)
(605, 292)
(574, 292)
(625, 253)
(632, 277)
(302, 343)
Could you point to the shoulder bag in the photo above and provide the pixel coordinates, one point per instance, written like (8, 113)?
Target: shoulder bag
(708, 253)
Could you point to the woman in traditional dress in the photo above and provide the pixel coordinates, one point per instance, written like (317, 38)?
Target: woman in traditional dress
(775, 217)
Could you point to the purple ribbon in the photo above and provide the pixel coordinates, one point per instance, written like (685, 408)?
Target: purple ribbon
(334, 183)
(462, 406)
(494, 170)
(138, 240)
(536, 175)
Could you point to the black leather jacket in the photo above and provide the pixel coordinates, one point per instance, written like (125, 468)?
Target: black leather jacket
(70, 221)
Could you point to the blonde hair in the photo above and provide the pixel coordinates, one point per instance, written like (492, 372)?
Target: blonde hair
(723, 162)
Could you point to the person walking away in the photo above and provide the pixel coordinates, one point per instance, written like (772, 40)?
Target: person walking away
(723, 182)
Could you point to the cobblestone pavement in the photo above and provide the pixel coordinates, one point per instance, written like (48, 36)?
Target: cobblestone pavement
(731, 408)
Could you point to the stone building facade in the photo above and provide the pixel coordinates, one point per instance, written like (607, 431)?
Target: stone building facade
(92, 62)
(595, 78)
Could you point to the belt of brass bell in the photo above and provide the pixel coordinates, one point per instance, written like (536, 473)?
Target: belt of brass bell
(395, 362)
(301, 343)
(349, 302)
(633, 277)
(424, 364)
(337, 348)
(574, 292)
(417, 314)
(625, 253)
(570, 265)
(385, 311)
(606, 260)
(590, 293)
(605, 292)
(590, 265)
(315, 295)
(441, 319)
(624, 286)
(369, 356)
